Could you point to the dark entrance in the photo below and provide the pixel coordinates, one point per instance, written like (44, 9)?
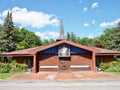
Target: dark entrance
(64, 64)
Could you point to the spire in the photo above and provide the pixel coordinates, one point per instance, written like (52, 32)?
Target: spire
(62, 36)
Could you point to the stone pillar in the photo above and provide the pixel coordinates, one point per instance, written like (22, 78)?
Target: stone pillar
(34, 64)
(94, 62)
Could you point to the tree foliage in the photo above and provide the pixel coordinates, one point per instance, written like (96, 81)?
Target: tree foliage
(115, 42)
(111, 38)
(15, 38)
(7, 35)
(71, 36)
(25, 37)
(45, 42)
(86, 41)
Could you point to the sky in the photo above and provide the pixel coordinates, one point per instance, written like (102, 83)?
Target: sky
(86, 18)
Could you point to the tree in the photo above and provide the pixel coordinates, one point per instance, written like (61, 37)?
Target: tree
(86, 41)
(51, 41)
(118, 25)
(7, 35)
(78, 40)
(22, 45)
(68, 37)
(45, 42)
(29, 37)
(0, 28)
(115, 42)
(106, 38)
(110, 39)
(97, 43)
(71, 36)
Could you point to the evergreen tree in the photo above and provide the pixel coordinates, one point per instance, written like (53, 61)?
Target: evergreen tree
(7, 42)
(118, 25)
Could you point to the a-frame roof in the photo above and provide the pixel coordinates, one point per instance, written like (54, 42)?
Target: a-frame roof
(63, 42)
(32, 51)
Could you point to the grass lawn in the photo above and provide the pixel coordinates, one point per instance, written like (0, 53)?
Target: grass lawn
(117, 73)
(8, 75)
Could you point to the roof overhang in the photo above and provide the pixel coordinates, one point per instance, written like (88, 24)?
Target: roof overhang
(15, 55)
(115, 54)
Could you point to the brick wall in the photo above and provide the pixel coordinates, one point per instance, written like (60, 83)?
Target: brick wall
(108, 58)
(48, 60)
(18, 59)
(53, 60)
(82, 59)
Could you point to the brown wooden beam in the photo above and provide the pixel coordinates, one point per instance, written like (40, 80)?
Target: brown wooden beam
(34, 64)
(94, 62)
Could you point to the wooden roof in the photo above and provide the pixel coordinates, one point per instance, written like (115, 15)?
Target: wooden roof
(32, 51)
(106, 51)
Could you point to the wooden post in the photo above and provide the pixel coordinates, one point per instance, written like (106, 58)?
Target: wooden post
(94, 62)
(34, 64)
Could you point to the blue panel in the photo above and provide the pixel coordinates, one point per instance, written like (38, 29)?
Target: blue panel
(53, 50)
(75, 50)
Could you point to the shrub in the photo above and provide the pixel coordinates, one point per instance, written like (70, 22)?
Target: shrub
(12, 67)
(113, 69)
(23, 67)
(10, 59)
(5, 68)
(113, 66)
(114, 63)
(15, 70)
(2, 70)
(104, 66)
(13, 64)
(1, 64)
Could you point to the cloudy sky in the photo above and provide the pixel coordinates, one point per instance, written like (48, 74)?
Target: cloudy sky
(86, 18)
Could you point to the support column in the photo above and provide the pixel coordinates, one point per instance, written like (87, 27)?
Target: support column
(94, 62)
(34, 64)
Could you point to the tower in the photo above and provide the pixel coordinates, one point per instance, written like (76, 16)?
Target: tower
(62, 36)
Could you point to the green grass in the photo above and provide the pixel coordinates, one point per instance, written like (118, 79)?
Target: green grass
(8, 75)
(117, 73)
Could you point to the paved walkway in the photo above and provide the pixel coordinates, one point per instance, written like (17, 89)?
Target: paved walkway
(65, 76)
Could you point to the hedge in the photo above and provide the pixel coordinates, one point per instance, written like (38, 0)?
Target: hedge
(12, 67)
(113, 66)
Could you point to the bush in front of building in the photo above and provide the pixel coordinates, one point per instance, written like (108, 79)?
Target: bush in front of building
(104, 66)
(113, 69)
(114, 63)
(4, 68)
(113, 66)
(12, 67)
(22, 67)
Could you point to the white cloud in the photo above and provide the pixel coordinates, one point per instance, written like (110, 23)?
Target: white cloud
(95, 4)
(105, 24)
(1, 21)
(91, 35)
(32, 18)
(85, 9)
(86, 24)
(47, 34)
(93, 21)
